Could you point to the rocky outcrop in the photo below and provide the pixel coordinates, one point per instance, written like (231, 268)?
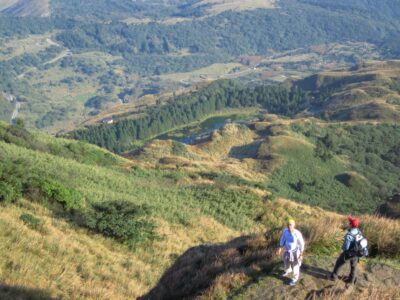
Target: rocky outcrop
(391, 208)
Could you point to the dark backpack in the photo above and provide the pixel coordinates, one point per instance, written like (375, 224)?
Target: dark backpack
(359, 246)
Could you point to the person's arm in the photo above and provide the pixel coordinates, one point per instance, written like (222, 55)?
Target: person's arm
(281, 243)
(347, 242)
(301, 244)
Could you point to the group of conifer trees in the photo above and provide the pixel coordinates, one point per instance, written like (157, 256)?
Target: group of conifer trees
(184, 109)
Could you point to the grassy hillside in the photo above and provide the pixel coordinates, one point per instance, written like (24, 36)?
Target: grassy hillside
(366, 92)
(50, 196)
(247, 267)
(346, 167)
(194, 207)
(77, 219)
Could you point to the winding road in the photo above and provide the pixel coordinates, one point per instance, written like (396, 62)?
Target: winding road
(66, 52)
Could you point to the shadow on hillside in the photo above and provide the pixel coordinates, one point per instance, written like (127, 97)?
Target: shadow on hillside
(21, 293)
(200, 267)
(315, 272)
(245, 151)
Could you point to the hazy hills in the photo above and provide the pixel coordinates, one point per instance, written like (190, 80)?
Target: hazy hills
(112, 53)
(219, 6)
(25, 8)
(42, 8)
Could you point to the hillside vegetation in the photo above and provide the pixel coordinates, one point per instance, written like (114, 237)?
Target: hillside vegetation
(368, 93)
(187, 108)
(7, 108)
(207, 133)
(94, 53)
(314, 162)
(346, 164)
(247, 268)
(64, 194)
(79, 220)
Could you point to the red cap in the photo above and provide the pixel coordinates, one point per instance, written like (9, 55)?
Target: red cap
(353, 221)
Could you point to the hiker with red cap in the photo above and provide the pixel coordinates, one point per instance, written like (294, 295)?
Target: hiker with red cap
(354, 247)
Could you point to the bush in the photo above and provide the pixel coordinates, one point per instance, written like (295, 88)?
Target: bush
(31, 221)
(14, 177)
(18, 179)
(121, 220)
(87, 154)
(9, 193)
(179, 149)
(69, 198)
(18, 135)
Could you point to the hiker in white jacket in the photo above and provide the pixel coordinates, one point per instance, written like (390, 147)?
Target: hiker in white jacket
(293, 243)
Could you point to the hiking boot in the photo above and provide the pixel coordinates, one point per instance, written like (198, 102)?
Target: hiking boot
(293, 282)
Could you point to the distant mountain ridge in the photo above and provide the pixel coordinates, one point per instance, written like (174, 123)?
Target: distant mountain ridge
(25, 8)
(219, 6)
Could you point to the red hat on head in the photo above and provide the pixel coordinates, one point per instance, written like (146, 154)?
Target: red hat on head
(353, 221)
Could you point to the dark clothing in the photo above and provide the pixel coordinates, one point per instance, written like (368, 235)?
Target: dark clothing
(342, 259)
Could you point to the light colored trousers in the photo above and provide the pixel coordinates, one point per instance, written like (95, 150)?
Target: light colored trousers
(292, 266)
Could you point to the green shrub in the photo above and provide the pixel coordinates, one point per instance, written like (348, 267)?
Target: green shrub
(79, 151)
(18, 135)
(9, 193)
(179, 149)
(69, 198)
(230, 179)
(121, 220)
(14, 177)
(88, 154)
(31, 221)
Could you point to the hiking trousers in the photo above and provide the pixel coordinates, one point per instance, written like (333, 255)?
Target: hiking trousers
(292, 266)
(342, 259)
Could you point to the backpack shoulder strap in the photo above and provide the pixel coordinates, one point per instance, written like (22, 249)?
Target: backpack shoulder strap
(352, 234)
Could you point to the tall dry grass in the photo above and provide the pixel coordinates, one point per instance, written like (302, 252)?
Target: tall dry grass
(63, 261)
(214, 271)
(321, 227)
(326, 229)
(208, 270)
(383, 235)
